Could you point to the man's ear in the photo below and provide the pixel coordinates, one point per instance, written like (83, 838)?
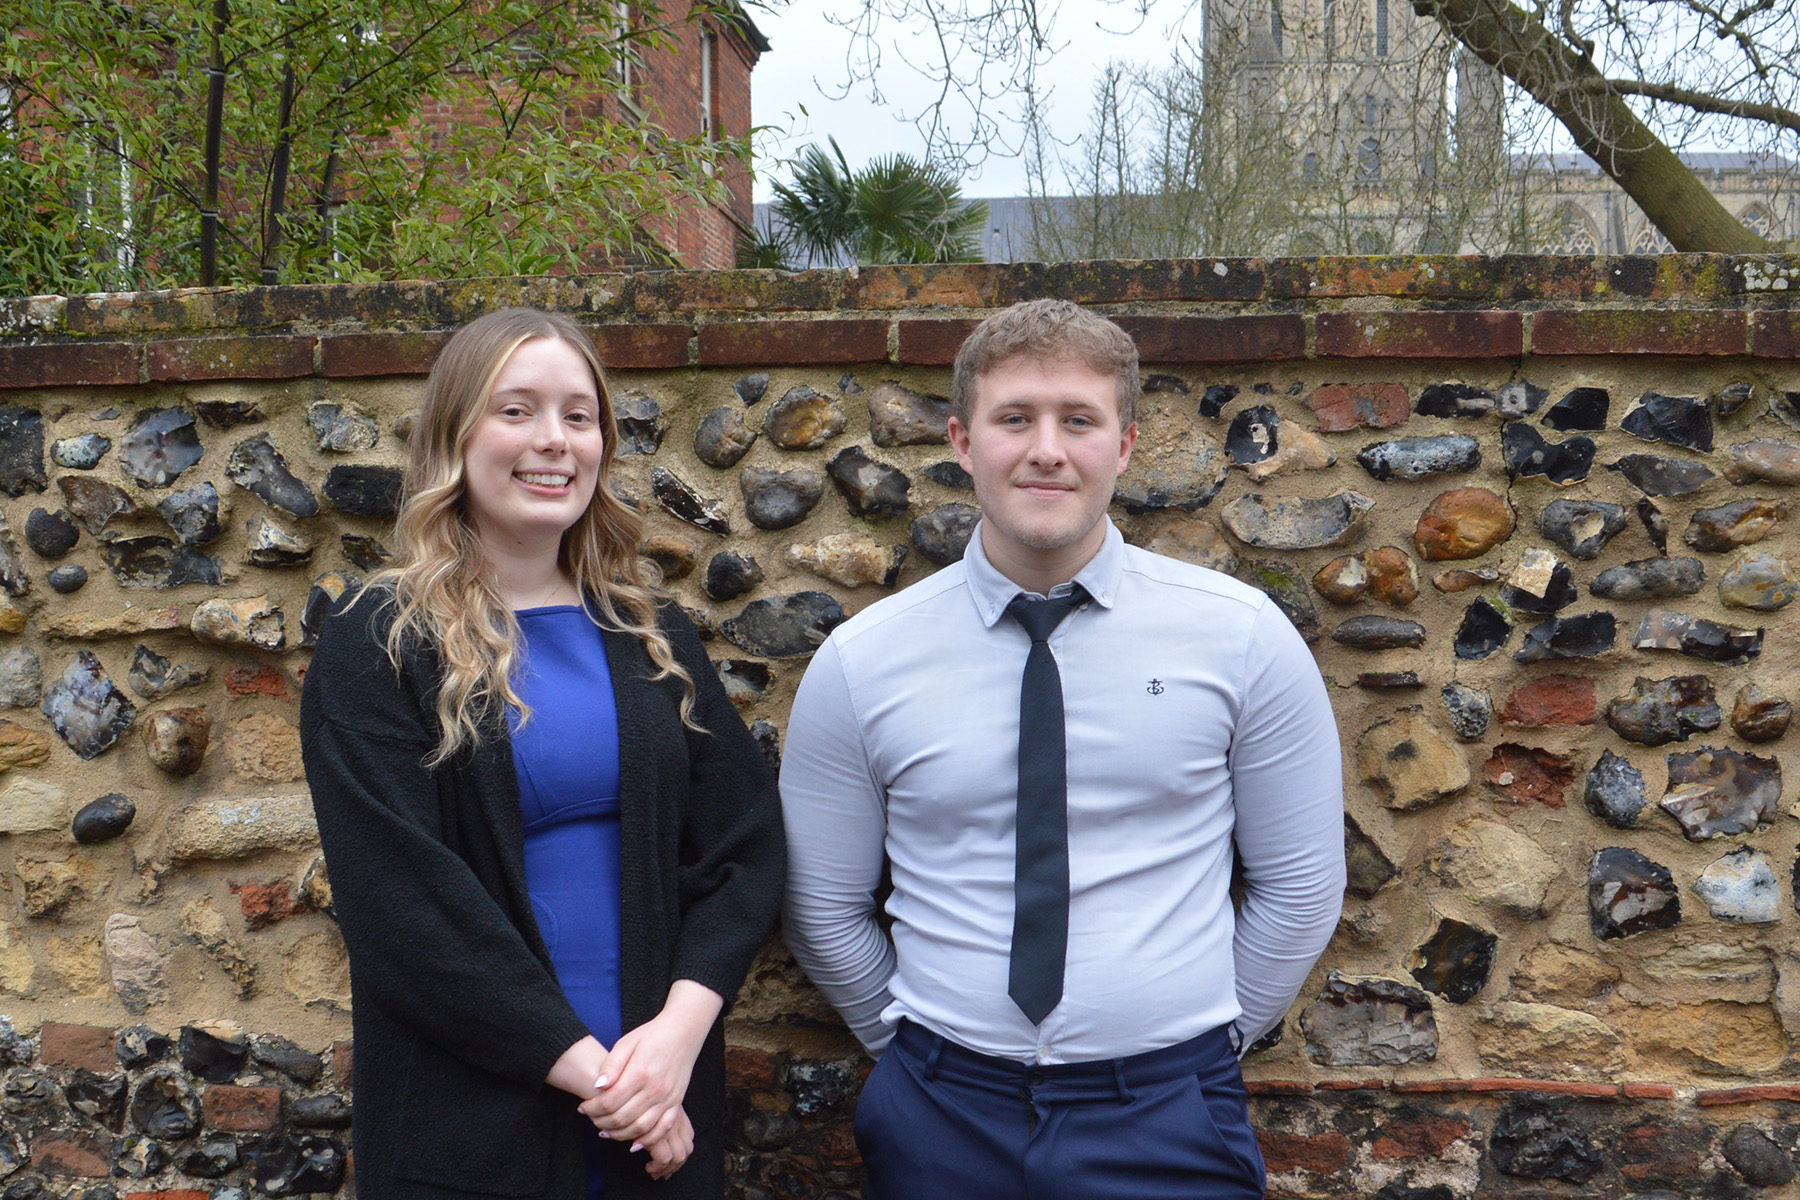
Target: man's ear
(1127, 440)
(959, 441)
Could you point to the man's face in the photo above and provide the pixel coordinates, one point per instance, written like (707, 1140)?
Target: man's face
(1044, 447)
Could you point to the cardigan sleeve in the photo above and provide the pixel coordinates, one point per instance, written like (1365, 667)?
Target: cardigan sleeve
(733, 857)
(429, 945)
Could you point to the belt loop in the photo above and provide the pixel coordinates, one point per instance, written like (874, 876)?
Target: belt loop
(931, 1059)
(1236, 1037)
(1125, 1096)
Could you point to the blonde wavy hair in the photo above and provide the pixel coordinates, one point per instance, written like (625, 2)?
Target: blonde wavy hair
(439, 582)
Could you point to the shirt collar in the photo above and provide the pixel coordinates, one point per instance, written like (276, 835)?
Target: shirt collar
(993, 591)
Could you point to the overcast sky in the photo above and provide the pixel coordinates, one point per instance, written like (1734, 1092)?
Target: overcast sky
(802, 87)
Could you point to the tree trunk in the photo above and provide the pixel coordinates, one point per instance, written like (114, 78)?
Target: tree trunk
(215, 120)
(271, 271)
(1603, 125)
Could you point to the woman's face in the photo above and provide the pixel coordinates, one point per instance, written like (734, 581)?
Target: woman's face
(533, 460)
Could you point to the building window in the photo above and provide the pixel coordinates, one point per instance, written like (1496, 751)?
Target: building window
(1309, 168)
(1275, 23)
(1368, 161)
(630, 70)
(1650, 240)
(1370, 109)
(1760, 221)
(1381, 38)
(1330, 28)
(709, 121)
(1574, 232)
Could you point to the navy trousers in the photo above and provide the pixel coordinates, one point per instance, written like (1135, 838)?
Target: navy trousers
(938, 1121)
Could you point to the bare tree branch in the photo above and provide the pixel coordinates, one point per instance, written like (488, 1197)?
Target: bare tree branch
(1774, 114)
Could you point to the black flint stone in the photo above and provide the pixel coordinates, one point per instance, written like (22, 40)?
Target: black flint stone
(751, 388)
(284, 1166)
(225, 414)
(1713, 642)
(319, 603)
(1759, 1160)
(159, 446)
(1379, 633)
(84, 707)
(153, 676)
(135, 1157)
(1615, 791)
(784, 626)
(723, 438)
(1678, 420)
(1399, 1191)
(279, 1054)
(259, 468)
(684, 503)
(363, 491)
(28, 1188)
(193, 513)
(1415, 458)
(1389, 679)
(1484, 629)
(746, 673)
(1470, 709)
(847, 384)
(1581, 527)
(1367, 868)
(730, 574)
(165, 1105)
(324, 1111)
(1454, 400)
(1455, 960)
(29, 1092)
(1529, 1142)
(1165, 383)
(51, 534)
(139, 1046)
(104, 819)
(213, 1058)
(1657, 712)
(1558, 594)
(99, 1098)
(80, 453)
(365, 553)
(1734, 396)
(1584, 408)
(1655, 523)
(1656, 475)
(1650, 579)
(1627, 894)
(209, 1158)
(158, 562)
(21, 451)
(779, 499)
(1269, 1040)
(1585, 636)
(942, 535)
(1252, 436)
(66, 579)
(950, 474)
(871, 488)
(768, 740)
(1518, 399)
(1527, 453)
(819, 1088)
(94, 502)
(1214, 399)
(640, 423)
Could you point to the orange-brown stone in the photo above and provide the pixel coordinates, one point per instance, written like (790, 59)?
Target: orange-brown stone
(1425, 1138)
(1463, 523)
(1527, 773)
(1342, 407)
(1392, 577)
(243, 679)
(1552, 700)
(1322, 1153)
(266, 903)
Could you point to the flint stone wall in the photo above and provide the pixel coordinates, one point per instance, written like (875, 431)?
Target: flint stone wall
(1533, 514)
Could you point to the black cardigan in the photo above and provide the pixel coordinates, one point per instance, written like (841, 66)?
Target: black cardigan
(457, 1013)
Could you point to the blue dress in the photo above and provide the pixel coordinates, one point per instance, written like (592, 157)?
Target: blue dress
(567, 761)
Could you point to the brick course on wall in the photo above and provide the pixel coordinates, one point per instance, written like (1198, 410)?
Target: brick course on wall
(1491, 1020)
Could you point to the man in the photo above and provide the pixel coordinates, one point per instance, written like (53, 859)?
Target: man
(1059, 790)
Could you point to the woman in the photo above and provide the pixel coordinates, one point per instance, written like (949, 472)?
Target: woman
(554, 847)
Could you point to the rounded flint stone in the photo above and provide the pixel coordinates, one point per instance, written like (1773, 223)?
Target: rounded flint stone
(1454, 400)
(942, 535)
(1764, 460)
(1650, 579)
(159, 446)
(214, 1050)
(1581, 527)
(208, 1158)
(324, 1111)
(899, 417)
(723, 438)
(730, 574)
(1379, 633)
(1615, 791)
(1519, 398)
(872, 488)
(104, 819)
(165, 1105)
(80, 453)
(751, 388)
(1755, 1157)
(779, 499)
(1455, 960)
(1758, 580)
(1629, 894)
(1528, 453)
(1678, 420)
(51, 534)
(1415, 458)
(1657, 712)
(785, 626)
(1471, 710)
(1728, 526)
(175, 739)
(1741, 888)
(1253, 436)
(1297, 524)
(949, 474)
(1655, 475)
(804, 419)
(1758, 716)
(1584, 408)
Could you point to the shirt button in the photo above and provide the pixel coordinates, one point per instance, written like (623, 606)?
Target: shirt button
(1034, 1078)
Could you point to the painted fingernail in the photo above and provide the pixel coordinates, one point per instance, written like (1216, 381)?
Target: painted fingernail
(636, 1146)
(603, 1081)
(604, 1134)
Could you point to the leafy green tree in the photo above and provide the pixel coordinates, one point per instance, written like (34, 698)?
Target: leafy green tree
(172, 143)
(895, 210)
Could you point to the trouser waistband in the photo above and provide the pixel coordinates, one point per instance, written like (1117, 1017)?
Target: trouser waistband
(1098, 1079)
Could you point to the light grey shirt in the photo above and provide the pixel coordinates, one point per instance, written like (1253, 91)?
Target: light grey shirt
(1195, 715)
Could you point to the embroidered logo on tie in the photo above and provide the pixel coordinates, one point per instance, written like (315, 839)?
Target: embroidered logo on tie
(1155, 688)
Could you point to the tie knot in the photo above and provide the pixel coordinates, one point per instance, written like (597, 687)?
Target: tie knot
(1039, 618)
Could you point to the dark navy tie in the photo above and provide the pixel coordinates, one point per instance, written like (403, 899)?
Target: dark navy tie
(1040, 941)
